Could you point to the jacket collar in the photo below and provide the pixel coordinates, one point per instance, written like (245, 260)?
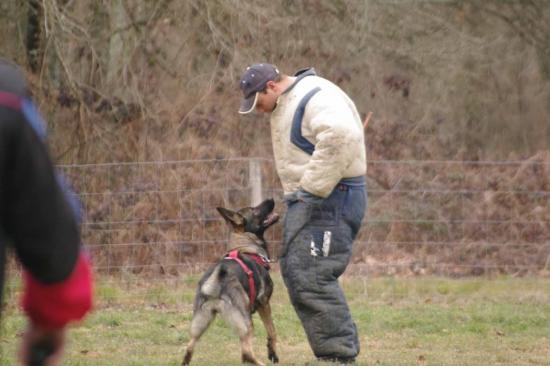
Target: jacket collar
(300, 74)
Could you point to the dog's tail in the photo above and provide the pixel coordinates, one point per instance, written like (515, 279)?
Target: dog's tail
(212, 286)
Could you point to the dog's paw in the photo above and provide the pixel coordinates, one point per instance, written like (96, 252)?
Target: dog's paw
(273, 357)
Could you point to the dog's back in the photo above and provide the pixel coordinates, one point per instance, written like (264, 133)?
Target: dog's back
(226, 281)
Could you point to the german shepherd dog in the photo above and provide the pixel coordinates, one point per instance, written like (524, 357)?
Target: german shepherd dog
(234, 292)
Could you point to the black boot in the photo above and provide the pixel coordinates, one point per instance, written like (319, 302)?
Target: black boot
(337, 360)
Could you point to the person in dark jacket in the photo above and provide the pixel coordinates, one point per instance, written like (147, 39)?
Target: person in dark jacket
(39, 219)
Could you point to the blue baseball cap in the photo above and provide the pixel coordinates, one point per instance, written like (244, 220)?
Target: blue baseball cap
(253, 81)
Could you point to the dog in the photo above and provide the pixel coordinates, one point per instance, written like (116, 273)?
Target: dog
(239, 284)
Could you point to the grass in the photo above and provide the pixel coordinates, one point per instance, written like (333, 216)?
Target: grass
(402, 321)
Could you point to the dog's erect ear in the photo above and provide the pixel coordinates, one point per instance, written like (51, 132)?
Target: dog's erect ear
(232, 217)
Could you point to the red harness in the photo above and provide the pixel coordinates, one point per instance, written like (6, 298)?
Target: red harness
(234, 255)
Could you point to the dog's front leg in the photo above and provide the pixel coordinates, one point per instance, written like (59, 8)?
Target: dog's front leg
(246, 348)
(239, 318)
(265, 314)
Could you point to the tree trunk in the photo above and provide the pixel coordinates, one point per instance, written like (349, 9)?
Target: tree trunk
(32, 43)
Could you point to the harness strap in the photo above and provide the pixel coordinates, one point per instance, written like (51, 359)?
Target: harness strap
(234, 255)
(260, 259)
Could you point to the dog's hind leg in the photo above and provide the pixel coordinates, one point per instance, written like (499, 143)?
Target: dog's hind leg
(265, 314)
(201, 320)
(242, 323)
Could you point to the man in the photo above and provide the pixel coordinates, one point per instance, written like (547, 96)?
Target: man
(320, 156)
(39, 221)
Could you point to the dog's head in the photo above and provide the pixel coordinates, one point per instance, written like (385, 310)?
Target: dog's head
(253, 220)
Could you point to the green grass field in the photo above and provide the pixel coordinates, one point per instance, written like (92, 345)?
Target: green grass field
(402, 321)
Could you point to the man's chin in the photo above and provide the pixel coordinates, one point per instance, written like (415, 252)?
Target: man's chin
(263, 109)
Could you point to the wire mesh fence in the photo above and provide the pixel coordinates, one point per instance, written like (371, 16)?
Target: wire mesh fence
(424, 217)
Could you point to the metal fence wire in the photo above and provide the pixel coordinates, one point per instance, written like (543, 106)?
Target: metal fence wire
(450, 218)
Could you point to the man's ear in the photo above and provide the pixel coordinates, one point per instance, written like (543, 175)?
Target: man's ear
(232, 217)
(270, 85)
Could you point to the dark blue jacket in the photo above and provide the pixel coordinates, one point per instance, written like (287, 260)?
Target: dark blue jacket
(35, 217)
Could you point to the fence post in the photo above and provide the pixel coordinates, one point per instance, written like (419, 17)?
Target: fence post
(255, 182)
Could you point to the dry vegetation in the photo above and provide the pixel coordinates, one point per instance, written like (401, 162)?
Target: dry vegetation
(156, 81)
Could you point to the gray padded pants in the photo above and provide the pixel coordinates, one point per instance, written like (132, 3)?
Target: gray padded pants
(317, 247)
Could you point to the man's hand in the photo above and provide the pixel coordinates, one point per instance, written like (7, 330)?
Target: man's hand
(305, 196)
(302, 195)
(41, 347)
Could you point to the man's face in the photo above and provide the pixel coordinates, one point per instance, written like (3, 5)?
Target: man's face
(267, 100)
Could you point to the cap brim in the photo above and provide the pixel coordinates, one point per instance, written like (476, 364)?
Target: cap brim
(249, 104)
